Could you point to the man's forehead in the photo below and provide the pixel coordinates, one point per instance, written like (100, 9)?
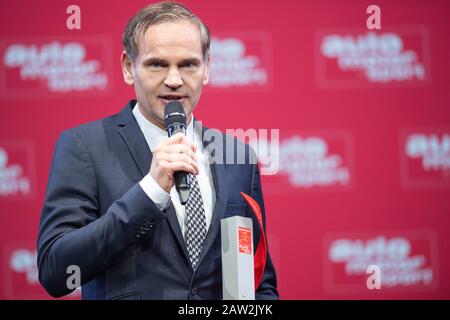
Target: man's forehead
(171, 37)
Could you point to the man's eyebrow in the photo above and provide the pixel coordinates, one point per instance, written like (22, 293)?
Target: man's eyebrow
(155, 60)
(193, 60)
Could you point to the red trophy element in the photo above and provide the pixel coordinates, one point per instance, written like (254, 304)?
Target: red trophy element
(261, 251)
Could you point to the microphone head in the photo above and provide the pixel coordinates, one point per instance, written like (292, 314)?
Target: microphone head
(174, 114)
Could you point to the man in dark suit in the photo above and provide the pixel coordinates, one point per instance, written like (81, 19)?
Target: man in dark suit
(111, 208)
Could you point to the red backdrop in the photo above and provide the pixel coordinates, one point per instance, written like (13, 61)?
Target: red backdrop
(363, 118)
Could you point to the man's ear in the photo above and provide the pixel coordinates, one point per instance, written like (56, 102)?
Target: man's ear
(127, 68)
(208, 68)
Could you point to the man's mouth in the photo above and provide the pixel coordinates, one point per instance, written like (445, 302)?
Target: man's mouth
(172, 97)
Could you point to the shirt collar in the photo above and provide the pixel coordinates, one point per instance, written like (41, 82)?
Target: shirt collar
(154, 134)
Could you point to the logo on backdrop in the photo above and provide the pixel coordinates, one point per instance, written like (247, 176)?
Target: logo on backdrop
(353, 59)
(24, 261)
(16, 170)
(311, 162)
(404, 260)
(242, 61)
(21, 273)
(37, 68)
(425, 157)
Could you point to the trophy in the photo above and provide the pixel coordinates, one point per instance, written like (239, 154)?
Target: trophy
(242, 269)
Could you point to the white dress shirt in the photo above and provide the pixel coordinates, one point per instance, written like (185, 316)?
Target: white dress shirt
(154, 135)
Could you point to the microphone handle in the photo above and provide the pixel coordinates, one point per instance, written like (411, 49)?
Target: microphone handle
(181, 177)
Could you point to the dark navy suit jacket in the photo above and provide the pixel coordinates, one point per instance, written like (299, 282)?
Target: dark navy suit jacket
(97, 217)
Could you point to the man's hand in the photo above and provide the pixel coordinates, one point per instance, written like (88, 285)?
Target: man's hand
(174, 154)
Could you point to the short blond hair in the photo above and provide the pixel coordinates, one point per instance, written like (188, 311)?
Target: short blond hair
(160, 13)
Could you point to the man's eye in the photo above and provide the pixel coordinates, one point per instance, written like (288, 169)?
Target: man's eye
(188, 65)
(156, 65)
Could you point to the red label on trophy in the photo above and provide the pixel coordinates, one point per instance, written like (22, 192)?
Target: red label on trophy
(245, 240)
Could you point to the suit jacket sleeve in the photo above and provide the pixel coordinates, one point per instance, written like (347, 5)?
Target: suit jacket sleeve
(72, 232)
(268, 287)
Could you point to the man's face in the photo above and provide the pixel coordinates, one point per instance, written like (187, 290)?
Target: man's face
(170, 66)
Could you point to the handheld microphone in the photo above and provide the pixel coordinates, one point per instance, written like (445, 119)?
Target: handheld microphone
(175, 121)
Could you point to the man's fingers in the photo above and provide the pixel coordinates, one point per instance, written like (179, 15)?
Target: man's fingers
(172, 155)
(180, 157)
(177, 138)
(179, 148)
(182, 166)
(177, 154)
(180, 138)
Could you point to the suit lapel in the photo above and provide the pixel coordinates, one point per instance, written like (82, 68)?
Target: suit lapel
(134, 139)
(219, 177)
(174, 224)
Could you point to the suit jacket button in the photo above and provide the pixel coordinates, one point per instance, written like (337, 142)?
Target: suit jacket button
(194, 291)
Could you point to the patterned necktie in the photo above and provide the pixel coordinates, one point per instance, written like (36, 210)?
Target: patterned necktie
(195, 221)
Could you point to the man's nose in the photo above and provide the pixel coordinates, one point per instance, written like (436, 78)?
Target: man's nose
(173, 79)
